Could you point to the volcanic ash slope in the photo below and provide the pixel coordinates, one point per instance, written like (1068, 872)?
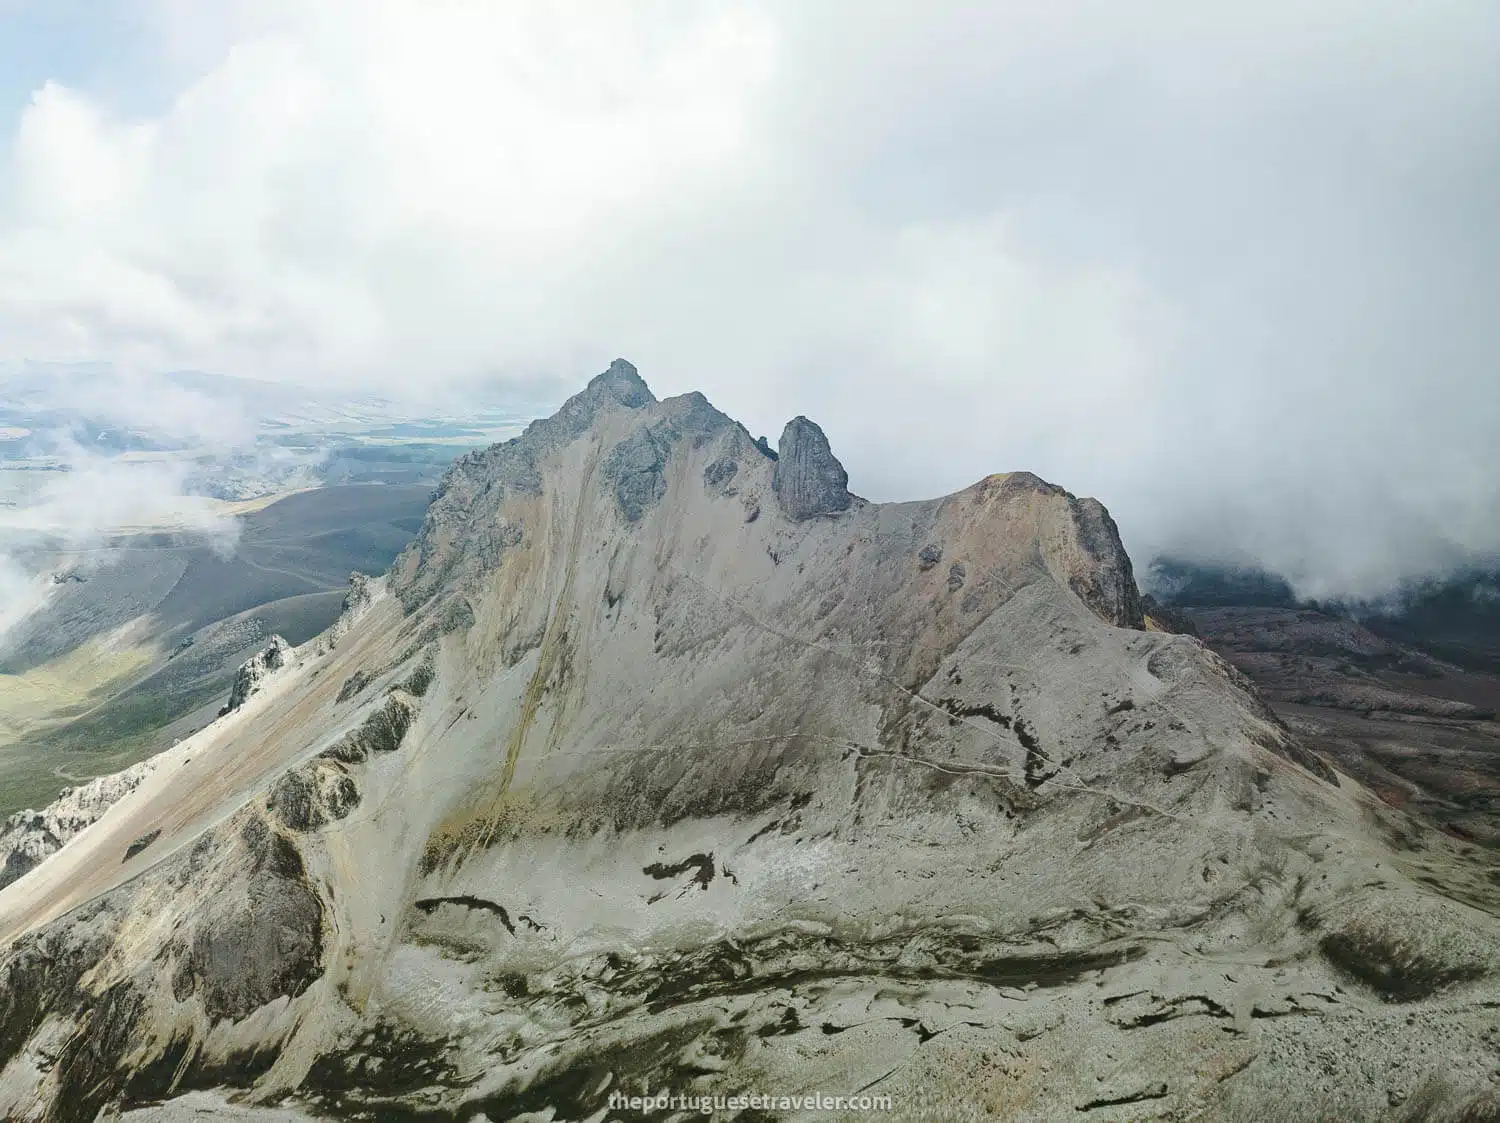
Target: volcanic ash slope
(663, 763)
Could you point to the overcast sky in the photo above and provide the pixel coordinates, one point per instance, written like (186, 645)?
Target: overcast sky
(1233, 268)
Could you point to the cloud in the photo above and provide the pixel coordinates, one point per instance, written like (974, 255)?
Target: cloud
(98, 494)
(21, 594)
(1229, 269)
(73, 513)
(55, 519)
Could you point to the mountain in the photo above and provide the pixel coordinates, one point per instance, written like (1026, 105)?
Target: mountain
(1456, 617)
(660, 764)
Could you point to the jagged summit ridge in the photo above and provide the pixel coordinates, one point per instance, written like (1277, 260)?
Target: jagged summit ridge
(617, 437)
(618, 387)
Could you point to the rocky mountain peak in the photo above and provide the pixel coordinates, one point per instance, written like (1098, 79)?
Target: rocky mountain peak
(808, 479)
(620, 386)
(623, 383)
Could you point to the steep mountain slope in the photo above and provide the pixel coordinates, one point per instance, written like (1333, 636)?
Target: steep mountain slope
(660, 763)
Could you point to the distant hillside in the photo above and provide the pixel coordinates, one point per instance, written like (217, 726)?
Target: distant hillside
(141, 635)
(1455, 617)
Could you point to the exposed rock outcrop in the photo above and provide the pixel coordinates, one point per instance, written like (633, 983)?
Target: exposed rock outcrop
(357, 602)
(637, 465)
(1081, 547)
(254, 672)
(808, 480)
(719, 475)
(28, 838)
(236, 926)
(442, 562)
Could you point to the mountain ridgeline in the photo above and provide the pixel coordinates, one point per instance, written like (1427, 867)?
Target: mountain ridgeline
(662, 762)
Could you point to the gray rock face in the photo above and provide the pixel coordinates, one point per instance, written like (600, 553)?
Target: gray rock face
(625, 384)
(621, 386)
(252, 933)
(808, 479)
(720, 474)
(260, 940)
(357, 602)
(381, 732)
(359, 596)
(1108, 586)
(638, 465)
(254, 671)
(638, 468)
(28, 838)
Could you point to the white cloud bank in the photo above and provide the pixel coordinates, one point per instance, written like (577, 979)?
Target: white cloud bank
(1231, 269)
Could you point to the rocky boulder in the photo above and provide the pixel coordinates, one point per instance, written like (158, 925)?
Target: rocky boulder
(808, 479)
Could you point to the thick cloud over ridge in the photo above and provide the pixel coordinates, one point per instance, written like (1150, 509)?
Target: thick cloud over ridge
(1232, 270)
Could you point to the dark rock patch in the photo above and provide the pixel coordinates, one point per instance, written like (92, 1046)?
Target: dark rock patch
(982, 709)
(381, 732)
(1108, 585)
(1397, 973)
(353, 685)
(313, 795)
(718, 475)
(637, 466)
(579, 1087)
(1037, 773)
(703, 863)
(420, 681)
(1155, 1091)
(429, 905)
(141, 843)
(16, 865)
(253, 945)
(378, 1069)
